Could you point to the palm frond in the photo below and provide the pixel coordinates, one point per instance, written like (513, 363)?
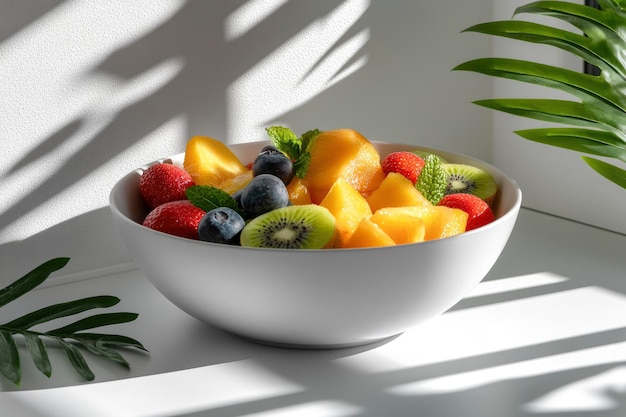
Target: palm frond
(608, 171)
(69, 336)
(599, 115)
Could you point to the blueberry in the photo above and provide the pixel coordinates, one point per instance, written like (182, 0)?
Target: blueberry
(237, 197)
(272, 161)
(264, 193)
(221, 225)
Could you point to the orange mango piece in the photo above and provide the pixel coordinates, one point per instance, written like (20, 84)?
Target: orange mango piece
(396, 191)
(211, 162)
(439, 221)
(369, 234)
(298, 191)
(349, 208)
(343, 153)
(403, 228)
(447, 223)
(231, 185)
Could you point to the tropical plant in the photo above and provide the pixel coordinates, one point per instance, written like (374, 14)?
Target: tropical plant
(69, 337)
(595, 124)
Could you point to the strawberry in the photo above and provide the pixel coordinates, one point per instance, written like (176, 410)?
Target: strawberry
(407, 164)
(161, 183)
(178, 218)
(479, 211)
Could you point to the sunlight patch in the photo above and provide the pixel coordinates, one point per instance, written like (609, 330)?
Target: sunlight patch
(63, 206)
(312, 409)
(246, 17)
(497, 328)
(296, 72)
(595, 393)
(160, 395)
(522, 282)
(510, 372)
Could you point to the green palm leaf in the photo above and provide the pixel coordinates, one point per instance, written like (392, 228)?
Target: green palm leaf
(31, 280)
(69, 336)
(557, 111)
(599, 116)
(9, 358)
(108, 339)
(591, 90)
(77, 360)
(581, 140)
(537, 33)
(38, 352)
(62, 310)
(98, 320)
(608, 171)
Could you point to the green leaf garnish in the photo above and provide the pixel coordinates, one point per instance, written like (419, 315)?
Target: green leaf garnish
(208, 198)
(432, 180)
(285, 141)
(69, 336)
(296, 148)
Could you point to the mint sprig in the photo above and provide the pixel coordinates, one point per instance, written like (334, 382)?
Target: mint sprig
(296, 148)
(208, 198)
(70, 337)
(432, 180)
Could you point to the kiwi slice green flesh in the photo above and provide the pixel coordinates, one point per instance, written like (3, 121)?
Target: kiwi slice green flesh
(469, 179)
(306, 226)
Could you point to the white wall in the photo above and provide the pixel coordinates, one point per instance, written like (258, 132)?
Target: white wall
(92, 89)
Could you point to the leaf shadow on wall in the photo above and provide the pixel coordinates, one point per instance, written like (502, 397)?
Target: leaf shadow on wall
(197, 93)
(17, 15)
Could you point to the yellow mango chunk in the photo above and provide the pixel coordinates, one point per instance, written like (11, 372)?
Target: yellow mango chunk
(348, 206)
(396, 191)
(234, 184)
(342, 153)
(211, 162)
(298, 192)
(447, 222)
(401, 227)
(369, 234)
(439, 221)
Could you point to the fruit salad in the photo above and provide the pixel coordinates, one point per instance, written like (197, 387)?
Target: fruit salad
(320, 190)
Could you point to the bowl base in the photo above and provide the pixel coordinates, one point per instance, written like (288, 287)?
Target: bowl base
(318, 346)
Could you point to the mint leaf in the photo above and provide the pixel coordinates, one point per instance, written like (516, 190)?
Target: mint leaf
(301, 165)
(307, 139)
(285, 141)
(296, 148)
(432, 180)
(208, 198)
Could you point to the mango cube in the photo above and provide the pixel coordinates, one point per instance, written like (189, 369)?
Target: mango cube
(396, 191)
(348, 206)
(369, 234)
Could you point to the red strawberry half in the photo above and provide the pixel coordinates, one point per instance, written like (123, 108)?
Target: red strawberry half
(479, 211)
(161, 183)
(178, 218)
(407, 164)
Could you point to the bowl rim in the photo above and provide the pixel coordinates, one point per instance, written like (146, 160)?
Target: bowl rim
(177, 159)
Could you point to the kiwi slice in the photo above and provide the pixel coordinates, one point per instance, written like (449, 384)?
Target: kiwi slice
(469, 179)
(306, 226)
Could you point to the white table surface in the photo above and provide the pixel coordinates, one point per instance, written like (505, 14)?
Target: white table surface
(543, 335)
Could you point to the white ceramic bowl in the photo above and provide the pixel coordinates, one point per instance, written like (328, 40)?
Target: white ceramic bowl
(314, 298)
